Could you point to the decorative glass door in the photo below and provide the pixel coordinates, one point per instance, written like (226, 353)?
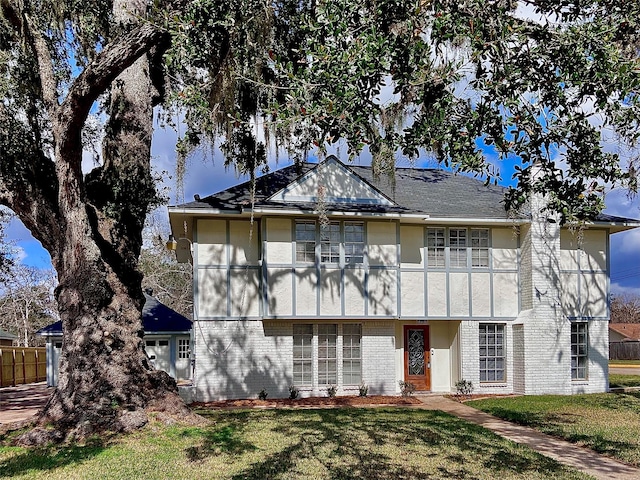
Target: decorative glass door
(416, 356)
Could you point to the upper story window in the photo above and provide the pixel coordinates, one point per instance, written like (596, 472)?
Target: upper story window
(334, 238)
(458, 247)
(330, 243)
(458, 242)
(353, 242)
(479, 247)
(435, 247)
(306, 242)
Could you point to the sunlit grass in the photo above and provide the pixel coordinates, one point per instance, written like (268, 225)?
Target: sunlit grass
(346, 443)
(624, 362)
(607, 423)
(616, 380)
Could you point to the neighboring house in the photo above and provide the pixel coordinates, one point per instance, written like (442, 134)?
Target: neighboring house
(7, 339)
(624, 332)
(167, 340)
(334, 278)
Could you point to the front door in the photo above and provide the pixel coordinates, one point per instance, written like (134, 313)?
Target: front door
(417, 358)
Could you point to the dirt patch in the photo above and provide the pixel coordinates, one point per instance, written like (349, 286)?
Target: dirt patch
(347, 401)
(479, 396)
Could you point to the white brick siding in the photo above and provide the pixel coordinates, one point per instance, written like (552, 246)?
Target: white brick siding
(237, 359)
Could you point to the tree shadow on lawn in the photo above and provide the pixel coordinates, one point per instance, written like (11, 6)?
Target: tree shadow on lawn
(50, 458)
(384, 443)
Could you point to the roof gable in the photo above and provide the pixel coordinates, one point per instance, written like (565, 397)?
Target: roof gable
(331, 182)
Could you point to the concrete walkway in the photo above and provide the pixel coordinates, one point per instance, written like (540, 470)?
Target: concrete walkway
(582, 459)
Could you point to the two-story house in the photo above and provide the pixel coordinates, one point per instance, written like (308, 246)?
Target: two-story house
(328, 276)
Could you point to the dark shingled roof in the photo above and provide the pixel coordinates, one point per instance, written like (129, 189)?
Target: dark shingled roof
(433, 192)
(424, 191)
(156, 318)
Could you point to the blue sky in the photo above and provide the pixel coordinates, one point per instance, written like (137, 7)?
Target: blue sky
(206, 175)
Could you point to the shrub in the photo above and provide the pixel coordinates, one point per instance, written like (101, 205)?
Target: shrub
(406, 388)
(293, 392)
(332, 390)
(363, 390)
(263, 394)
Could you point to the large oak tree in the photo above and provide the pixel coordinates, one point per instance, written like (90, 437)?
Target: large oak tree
(454, 80)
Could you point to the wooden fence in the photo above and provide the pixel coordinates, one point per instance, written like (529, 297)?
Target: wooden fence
(624, 350)
(20, 365)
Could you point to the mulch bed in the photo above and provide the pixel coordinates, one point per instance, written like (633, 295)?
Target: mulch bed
(346, 401)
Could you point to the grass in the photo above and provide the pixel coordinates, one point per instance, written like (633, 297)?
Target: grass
(606, 423)
(617, 380)
(346, 443)
(624, 362)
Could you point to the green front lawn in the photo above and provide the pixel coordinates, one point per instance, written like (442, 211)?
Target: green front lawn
(606, 423)
(624, 362)
(347, 443)
(616, 380)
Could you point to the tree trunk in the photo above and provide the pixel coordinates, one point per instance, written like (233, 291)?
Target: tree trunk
(106, 381)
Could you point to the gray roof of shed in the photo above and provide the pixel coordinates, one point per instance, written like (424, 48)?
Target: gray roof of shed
(7, 335)
(156, 318)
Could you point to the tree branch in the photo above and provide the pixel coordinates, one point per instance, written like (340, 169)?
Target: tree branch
(23, 27)
(28, 183)
(97, 77)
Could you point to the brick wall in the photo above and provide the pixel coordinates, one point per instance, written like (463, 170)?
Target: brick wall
(237, 359)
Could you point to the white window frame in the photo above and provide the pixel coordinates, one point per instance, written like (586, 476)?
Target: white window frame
(352, 354)
(353, 242)
(479, 247)
(330, 243)
(579, 351)
(184, 348)
(436, 247)
(305, 243)
(492, 353)
(303, 354)
(458, 243)
(327, 354)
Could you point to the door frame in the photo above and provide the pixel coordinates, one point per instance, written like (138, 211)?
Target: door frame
(422, 383)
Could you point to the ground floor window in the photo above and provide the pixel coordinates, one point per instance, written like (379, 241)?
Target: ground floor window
(327, 354)
(579, 350)
(351, 354)
(302, 354)
(183, 348)
(327, 346)
(492, 354)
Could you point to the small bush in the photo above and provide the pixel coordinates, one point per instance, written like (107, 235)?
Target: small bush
(332, 390)
(363, 390)
(406, 388)
(293, 392)
(464, 389)
(263, 394)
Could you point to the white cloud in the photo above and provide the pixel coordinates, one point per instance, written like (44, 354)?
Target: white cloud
(617, 289)
(629, 241)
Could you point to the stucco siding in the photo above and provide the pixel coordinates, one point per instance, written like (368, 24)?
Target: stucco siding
(413, 293)
(278, 241)
(382, 243)
(212, 242)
